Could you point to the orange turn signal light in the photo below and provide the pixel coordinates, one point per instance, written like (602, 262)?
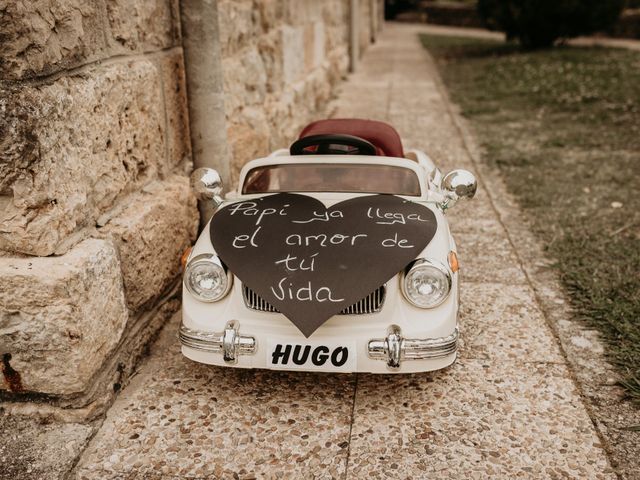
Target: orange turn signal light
(185, 257)
(453, 261)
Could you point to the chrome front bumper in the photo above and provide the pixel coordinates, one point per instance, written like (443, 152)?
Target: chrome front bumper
(230, 343)
(394, 348)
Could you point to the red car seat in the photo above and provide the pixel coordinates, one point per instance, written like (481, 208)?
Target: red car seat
(383, 136)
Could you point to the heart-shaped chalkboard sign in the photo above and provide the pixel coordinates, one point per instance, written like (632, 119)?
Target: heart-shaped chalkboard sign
(310, 262)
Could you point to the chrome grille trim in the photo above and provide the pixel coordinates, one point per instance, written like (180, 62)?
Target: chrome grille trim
(255, 302)
(372, 303)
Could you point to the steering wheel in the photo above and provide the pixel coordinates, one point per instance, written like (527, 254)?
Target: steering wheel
(331, 144)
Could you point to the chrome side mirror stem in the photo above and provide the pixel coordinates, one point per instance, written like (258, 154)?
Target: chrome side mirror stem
(448, 202)
(217, 201)
(207, 185)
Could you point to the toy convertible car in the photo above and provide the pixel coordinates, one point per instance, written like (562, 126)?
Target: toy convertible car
(333, 255)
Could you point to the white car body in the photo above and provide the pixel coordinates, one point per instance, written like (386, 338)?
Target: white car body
(419, 339)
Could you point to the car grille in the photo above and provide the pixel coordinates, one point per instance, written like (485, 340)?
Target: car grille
(372, 303)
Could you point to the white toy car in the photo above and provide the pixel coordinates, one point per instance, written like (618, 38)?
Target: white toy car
(334, 255)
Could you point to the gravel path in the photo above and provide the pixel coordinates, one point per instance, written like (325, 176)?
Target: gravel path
(508, 408)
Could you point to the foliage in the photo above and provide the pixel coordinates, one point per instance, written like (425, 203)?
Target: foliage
(540, 23)
(562, 126)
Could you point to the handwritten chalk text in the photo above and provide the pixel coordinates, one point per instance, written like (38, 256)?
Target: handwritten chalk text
(303, 294)
(250, 209)
(393, 217)
(321, 217)
(322, 239)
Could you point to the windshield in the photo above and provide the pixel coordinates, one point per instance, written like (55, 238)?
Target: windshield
(335, 177)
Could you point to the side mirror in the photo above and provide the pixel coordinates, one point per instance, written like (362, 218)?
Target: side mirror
(458, 184)
(207, 184)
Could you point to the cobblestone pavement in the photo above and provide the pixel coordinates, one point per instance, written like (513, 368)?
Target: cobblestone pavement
(508, 408)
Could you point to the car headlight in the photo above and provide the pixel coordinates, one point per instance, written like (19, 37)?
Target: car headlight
(206, 278)
(427, 283)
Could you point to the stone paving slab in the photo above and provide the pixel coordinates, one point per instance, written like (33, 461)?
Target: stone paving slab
(35, 449)
(508, 409)
(479, 419)
(184, 419)
(502, 323)
(489, 258)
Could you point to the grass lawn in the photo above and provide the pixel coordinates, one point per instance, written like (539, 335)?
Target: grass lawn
(563, 127)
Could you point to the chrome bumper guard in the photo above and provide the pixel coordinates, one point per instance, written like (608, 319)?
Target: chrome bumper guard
(394, 348)
(230, 343)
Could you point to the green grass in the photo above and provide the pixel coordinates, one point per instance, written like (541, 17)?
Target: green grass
(563, 128)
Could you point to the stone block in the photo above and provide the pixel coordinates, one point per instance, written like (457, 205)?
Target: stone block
(270, 49)
(245, 80)
(271, 13)
(177, 111)
(320, 93)
(143, 26)
(319, 42)
(310, 96)
(309, 47)
(338, 65)
(239, 24)
(336, 13)
(248, 138)
(31, 448)
(71, 148)
(293, 53)
(151, 234)
(299, 12)
(60, 318)
(364, 11)
(43, 36)
(336, 19)
(280, 118)
(336, 37)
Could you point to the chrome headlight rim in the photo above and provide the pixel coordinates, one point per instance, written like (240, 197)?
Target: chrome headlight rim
(207, 258)
(430, 263)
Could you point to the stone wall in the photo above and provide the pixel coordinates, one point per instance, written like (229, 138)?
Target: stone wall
(281, 62)
(95, 208)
